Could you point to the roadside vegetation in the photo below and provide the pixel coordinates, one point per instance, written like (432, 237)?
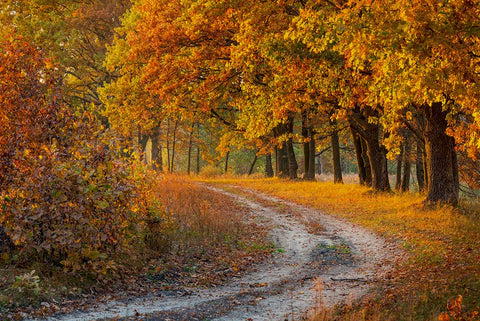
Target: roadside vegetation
(180, 235)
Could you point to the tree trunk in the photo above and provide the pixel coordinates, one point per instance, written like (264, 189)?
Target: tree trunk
(282, 161)
(226, 162)
(168, 146)
(292, 161)
(311, 165)
(252, 166)
(172, 166)
(157, 162)
(357, 143)
(376, 152)
(142, 145)
(337, 167)
(268, 166)
(198, 149)
(405, 184)
(442, 164)
(198, 160)
(419, 168)
(190, 146)
(398, 180)
(276, 161)
(366, 161)
(307, 133)
(378, 165)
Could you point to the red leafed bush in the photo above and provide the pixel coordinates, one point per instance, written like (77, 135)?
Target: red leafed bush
(65, 195)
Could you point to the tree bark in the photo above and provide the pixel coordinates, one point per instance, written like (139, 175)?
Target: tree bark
(252, 166)
(366, 161)
(142, 145)
(357, 143)
(157, 161)
(198, 149)
(226, 162)
(419, 168)
(190, 146)
(311, 166)
(405, 184)
(442, 164)
(398, 180)
(268, 166)
(173, 145)
(378, 161)
(281, 153)
(309, 140)
(376, 152)
(292, 161)
(337, 167)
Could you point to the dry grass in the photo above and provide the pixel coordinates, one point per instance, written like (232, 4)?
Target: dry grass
(443, 243)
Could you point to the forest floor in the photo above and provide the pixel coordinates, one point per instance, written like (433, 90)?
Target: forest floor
(320, 261)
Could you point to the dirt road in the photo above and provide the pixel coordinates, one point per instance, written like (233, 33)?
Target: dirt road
(317, 267)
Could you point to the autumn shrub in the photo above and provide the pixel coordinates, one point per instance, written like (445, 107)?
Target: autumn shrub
(66, 197)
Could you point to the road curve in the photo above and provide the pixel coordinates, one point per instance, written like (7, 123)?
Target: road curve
(332, 265)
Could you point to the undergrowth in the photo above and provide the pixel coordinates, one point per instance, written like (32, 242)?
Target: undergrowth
(442, 243)
(187, 235)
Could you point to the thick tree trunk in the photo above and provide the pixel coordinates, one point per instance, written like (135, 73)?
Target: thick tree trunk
(405, 184)
(378, 161)
(398, 180)
(419, 168)
(357, 143)
(268, 166)
(376, 152)
(366, 161)
(292, 161)
(157, 162)
(441, 158)
(337, 167)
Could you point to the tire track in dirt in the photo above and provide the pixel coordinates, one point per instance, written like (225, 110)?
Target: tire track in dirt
(312, 270)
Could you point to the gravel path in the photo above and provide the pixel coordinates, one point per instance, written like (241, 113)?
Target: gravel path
(335, 264)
